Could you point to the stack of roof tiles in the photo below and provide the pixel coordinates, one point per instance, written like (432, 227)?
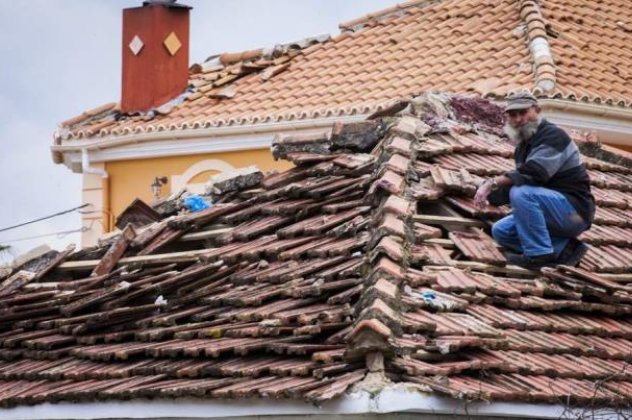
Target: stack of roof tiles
(489, 47)
(367, 259)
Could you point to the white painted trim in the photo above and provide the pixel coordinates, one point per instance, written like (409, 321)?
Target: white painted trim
(600, 110)
(181, 147)
(158, 149)
(187, 142)
(612, 125)
(213, 132)
(180, 181)
(399, 398)
(86, 167)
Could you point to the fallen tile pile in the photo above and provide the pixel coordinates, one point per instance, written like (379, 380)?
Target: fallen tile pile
(366, 259)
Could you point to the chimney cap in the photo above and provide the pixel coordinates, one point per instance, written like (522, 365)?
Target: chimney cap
(166, 3)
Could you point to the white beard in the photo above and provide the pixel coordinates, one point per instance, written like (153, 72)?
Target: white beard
(522, 133)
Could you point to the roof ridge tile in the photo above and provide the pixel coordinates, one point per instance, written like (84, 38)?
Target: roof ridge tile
(541, 53)
(379, 322)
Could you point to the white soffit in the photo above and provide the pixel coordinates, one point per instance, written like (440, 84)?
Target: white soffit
(613, 125)
(154, 149)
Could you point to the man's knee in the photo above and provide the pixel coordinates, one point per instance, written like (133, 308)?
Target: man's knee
(499, 233)
(520, 194)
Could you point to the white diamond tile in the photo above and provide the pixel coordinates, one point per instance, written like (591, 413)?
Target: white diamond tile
(136, 45)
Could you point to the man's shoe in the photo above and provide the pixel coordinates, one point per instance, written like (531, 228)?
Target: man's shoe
(534, 263)
(568, 250)
(573, 253)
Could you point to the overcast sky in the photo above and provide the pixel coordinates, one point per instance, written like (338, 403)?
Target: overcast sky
(59, 58)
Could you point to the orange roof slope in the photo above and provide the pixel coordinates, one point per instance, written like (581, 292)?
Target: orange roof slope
(590, 42)
(488, 47)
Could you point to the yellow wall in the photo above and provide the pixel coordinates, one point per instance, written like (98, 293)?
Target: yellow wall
(130, 179)
(620, 146)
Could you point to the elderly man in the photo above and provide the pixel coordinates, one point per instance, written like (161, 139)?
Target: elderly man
(549, 191)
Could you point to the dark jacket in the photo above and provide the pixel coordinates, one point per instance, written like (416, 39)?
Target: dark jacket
(551, 159)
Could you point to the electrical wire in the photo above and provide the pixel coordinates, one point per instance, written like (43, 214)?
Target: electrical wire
(45, 217)
(59, 235)
(109, 217)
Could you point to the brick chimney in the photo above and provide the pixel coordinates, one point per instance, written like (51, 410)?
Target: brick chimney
(155, 54)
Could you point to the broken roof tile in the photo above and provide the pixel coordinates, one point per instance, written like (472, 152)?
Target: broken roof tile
(483, 165)
(390, 182)
(478, 247)
(458, 181)
(320, 266)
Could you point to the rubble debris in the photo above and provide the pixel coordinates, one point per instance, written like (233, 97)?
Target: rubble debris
(357, 267)
(234, 180)
(361, 136)
(313, 143)
(137, 214)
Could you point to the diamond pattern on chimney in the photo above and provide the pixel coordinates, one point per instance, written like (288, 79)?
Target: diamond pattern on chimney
(136, 45)
(172, 43)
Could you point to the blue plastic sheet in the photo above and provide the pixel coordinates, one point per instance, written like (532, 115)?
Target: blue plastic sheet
(428, 296)
(195, 203)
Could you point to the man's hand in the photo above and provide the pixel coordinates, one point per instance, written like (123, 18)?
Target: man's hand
(483, 191)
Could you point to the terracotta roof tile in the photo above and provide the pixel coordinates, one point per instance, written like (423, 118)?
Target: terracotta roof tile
(438, 45)
(330, 270)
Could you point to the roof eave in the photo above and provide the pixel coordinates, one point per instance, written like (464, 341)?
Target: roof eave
(612, 124)
(184, 141)
(401, 398)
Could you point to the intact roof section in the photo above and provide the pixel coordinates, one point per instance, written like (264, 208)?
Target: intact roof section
(556, 48)
(450, 46)
(364, 265)
(590, 44)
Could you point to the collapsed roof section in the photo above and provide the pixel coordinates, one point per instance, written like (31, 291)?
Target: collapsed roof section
(559, 49)
(364, 265)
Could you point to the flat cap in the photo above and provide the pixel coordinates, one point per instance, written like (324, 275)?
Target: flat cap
(520, 100)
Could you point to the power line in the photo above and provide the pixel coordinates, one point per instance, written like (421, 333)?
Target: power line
(45, 217)
(59, 234)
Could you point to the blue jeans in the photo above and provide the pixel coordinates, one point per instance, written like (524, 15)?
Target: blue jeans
(542, 222)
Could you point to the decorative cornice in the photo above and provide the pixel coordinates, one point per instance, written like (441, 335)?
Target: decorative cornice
(613, 125)
(185, 142)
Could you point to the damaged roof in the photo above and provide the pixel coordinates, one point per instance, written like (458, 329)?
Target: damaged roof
(365, 260)
(556, 48)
